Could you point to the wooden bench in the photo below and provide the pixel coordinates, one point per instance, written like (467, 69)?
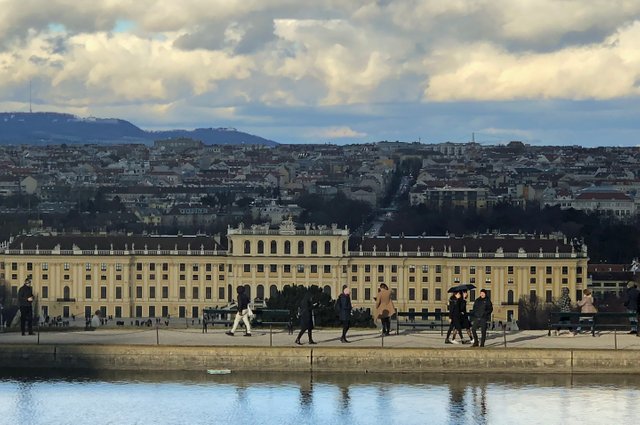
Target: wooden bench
(574, 320)
(437, 320)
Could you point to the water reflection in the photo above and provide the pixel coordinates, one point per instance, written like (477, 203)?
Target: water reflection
(265, 398)
(25, 407)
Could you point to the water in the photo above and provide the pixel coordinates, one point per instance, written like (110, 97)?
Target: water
(188, 398)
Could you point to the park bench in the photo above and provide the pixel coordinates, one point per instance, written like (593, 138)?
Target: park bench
(262, 317)
(428, 320)
(273, 317)
(216, 316)
(595, 321)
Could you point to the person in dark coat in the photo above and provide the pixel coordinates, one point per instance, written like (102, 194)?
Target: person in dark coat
(25, 299)
(482, 309)
(344, 312)
(306, 318)
(456, 318)
(632, 296)
(465, 320)
(242, 314)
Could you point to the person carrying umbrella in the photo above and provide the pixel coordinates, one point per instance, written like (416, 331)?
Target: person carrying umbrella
(455, 316)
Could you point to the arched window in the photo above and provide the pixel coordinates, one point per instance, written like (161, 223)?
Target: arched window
(230, 246)
(287, 247)
(314, 247)
(273, 291)
(260, 247)
(327, 248)
(247, 290)
(274, 247)
(327, 290)
(260, 292)
(509, 296)
(247, 247)
(66, 293)
(300, 247)
(229, 293)
(344, 248)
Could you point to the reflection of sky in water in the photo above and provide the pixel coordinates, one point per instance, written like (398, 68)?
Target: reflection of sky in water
(301, 401)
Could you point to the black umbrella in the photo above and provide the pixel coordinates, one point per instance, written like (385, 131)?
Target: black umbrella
(463, 287)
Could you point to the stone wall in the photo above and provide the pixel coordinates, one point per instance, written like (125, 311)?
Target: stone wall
(329, 359)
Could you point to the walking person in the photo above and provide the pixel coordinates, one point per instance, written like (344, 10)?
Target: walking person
(465, 322)
(343, 305)
(586, 306)
(96, 322)
(632, 296)
(385, 308)
(482, 309)
(306, 317)
(454, 315)
(242, 314)
(25, 299)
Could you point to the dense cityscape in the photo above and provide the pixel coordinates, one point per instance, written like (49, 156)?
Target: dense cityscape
(134, 200)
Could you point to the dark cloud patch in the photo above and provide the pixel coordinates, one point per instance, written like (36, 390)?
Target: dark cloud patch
(258, 33)
(58, 45)
(210, 37)
(552, 44)
(38, 60)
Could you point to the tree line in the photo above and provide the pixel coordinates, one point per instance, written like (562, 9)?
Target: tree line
(609, 240)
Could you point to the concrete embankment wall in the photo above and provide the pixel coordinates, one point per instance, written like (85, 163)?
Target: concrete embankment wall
(323, 359)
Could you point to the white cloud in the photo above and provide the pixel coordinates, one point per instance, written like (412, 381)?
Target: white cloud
(506, 132)
(122, 68)
(337, 133)
(483, 71)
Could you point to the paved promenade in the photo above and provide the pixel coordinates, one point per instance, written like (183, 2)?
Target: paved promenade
(360, 338)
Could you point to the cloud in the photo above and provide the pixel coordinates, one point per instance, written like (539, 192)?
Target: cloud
(482, 71)
(250, 60)
(338, 133)
(504, 134)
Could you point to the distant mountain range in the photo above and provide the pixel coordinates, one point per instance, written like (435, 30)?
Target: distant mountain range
(52, 127)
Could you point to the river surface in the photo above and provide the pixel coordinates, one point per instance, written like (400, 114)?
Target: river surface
(32, 398)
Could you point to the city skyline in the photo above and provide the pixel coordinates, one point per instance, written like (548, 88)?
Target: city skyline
(544, 72)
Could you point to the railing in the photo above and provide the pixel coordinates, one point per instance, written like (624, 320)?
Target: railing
(297, 232)
(116, 252)
(222, 253)
(444, 254)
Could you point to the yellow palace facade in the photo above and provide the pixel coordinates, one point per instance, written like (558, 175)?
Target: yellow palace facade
(144, 276)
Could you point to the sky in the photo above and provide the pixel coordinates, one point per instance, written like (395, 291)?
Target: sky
(546, 72)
